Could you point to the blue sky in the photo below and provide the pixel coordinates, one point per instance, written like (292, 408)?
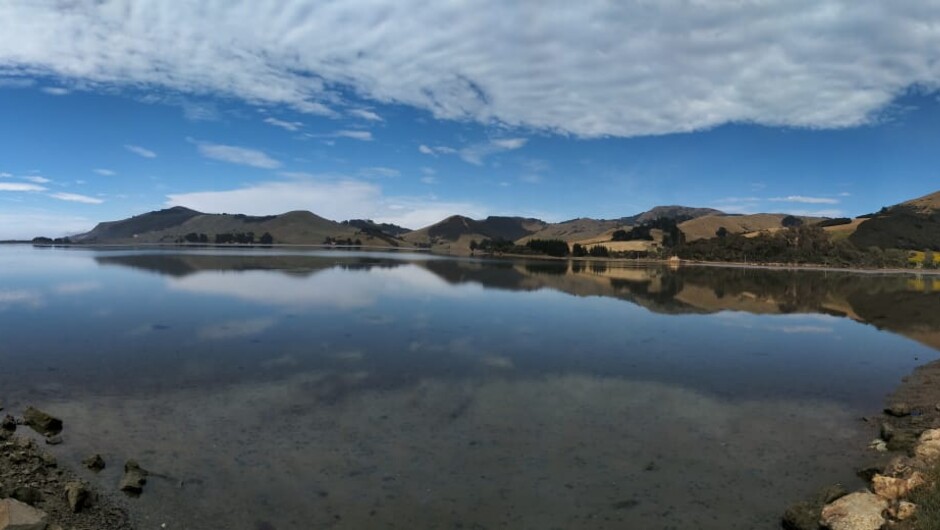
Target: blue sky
(406, 113)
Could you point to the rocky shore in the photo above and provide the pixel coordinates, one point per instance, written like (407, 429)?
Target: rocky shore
(903, 478)
(36, 493)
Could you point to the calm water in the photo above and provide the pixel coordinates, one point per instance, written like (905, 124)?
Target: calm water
(312, 390)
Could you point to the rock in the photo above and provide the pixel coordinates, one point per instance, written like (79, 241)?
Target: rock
(78, 495)
(42, 422)
(134, 478)
(887, 431)
(905, 510)
(31, 496)
(94, 463)
(856, 511)
(898, 410)
(805, 515)
(866, 473)
(14, 515)
(893, 488)
(901, 440)
(878, 445)
(54, 440)
(928, 446)
(8, 423)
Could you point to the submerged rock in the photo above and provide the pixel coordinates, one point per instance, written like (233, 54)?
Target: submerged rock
(53, 440)
(27, 494)
(78, 496)
(41, 422)
(134, 478)
(861, 510)
(898, 410)
(94, 463)
(805, 515)
(14, 515)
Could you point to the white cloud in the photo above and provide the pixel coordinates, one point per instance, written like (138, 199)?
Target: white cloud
(238, 155)
(286, 125)
(364, 136)
(75, 197)
(335, 199)
(476, 153)
(380, 172)
(37, 180)
(29, 224)
(141, 151)
(5, 175)
(105, 172)
(605, 68)
(365, 115)
(20, 186)
(805, 200)
(429, 179)
(56, 91)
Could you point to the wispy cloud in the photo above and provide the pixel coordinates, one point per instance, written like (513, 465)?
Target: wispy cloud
(56, 91)
(140, 151)
(332, 197)
(20, 186)
(378, 171)
(622, 68)
(365, 115)
(35, 179)
(805, 200)
(475, 153)
(75, 197)
(5, 175)
(286, 125)
(365, 136)
(105, 172)
(238, 155)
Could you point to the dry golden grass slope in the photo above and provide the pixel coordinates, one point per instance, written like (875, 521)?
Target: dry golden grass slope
(707, 226)
(577, 230)
(927, 203)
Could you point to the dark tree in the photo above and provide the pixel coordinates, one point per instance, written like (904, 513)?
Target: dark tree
(267, 239)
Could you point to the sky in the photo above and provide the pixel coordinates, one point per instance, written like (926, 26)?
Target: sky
(409, 111)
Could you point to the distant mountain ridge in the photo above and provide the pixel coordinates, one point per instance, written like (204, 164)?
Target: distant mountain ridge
(913, 225)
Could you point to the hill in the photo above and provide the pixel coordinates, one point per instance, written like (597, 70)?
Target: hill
(455, 233)
(370, 227)
(911, 225)
(708, 226)
(676, 212)
(180, 224)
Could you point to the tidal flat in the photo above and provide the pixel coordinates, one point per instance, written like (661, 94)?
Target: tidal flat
(317, 389)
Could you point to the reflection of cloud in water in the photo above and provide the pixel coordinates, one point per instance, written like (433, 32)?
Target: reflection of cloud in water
(21, 297)
(234, 329)
(803, 329)
(552, 452)
(338, 288)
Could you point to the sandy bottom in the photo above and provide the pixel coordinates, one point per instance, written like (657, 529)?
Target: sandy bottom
(565, 452)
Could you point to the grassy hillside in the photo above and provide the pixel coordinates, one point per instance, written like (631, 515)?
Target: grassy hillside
(911, 225)
(454, 234)
(708, 226)
(174, 224)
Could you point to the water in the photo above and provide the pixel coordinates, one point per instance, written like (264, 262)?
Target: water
(306, 390)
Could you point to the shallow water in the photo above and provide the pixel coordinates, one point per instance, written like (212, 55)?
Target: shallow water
(295, 390)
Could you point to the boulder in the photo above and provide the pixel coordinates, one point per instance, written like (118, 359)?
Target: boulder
(903, 511)
(134, 478)
(898, 410)
(94, 463)
(928, 446)
(893, 488)
(805, 515)
(41, 422)
(78, 495)
(861, 510)
(14, 515)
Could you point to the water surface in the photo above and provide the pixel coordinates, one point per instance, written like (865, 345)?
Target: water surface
(304, 390)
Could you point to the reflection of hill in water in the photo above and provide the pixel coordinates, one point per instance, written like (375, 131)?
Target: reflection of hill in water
(902, 304)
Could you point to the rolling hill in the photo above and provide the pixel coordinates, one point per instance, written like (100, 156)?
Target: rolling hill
(174, 224)
(911, 225)
(455, 233)
(707, 226)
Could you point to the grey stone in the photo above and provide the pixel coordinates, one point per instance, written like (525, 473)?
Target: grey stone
(14, 515)
(42, 422)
